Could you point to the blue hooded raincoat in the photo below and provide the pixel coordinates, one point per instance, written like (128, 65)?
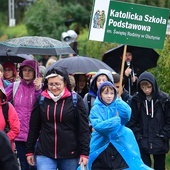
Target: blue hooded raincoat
(109, 122)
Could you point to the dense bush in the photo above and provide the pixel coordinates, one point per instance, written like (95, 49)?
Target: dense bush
(12, 32)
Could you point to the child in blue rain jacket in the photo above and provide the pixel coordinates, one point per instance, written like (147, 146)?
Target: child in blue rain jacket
(113, 146)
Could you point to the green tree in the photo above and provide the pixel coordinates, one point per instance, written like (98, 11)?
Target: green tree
(45, 18)
(51, 18)
(158, 3)
(161, 72)
(4, 12)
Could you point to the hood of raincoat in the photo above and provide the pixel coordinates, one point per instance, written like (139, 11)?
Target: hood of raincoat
(31, 63)
(60, 71)
(147, 76)
(93, 86)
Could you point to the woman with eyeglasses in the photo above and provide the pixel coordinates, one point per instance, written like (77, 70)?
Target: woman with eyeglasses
(10, 72)
(61, 127)
(28, 89)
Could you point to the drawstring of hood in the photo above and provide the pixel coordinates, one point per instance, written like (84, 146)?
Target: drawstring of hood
(147, 76)
(151, 113)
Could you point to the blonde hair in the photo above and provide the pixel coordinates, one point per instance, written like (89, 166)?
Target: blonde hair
(1, 68)
(72, 82)
(51, 60)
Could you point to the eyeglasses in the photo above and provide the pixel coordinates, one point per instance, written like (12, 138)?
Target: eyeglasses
(28, 70)
(57, 85)
(7, 69)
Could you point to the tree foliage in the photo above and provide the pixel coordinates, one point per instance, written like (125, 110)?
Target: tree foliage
(51, 18)
(161, 72)
(45, 18)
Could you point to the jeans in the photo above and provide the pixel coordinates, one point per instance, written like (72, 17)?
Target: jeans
(21, 152)
(44, 163)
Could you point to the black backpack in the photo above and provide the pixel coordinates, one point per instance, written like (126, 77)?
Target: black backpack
(5, 108)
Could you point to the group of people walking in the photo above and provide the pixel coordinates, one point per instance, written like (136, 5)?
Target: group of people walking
(53, 127)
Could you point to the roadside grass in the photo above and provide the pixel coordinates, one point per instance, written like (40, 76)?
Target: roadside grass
(168, 161)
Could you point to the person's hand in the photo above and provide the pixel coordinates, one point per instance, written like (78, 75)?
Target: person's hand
(38, 83)
(83, 160)
(134, 78)
(30, 160)
(128, 71)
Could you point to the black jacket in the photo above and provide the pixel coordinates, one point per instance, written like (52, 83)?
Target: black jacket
(8, 160)
(151, 126)
(62, 129)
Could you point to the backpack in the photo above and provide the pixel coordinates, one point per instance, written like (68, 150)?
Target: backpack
(5, 109)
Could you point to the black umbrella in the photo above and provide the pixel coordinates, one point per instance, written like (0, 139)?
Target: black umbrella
(36, 45)
(14, 58)
(143, 58)
(81, 65)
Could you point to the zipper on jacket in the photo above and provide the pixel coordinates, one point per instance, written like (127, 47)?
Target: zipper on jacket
(55, 131)
(48, 112)
(61, 112)
(150, 145)
(31, 99)
(20, 98)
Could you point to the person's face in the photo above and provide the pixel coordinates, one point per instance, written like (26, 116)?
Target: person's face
(128, 57)
(28, 73)
(100, 80)
(147, 89)
(8, 73)
(55, 85)
(82, 82)
(117, 85)
(107, 95)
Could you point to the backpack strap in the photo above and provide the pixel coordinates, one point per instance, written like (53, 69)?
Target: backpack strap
(41, 99)
(74, 98)
(5, 108)
(15, 87)
(89, 102)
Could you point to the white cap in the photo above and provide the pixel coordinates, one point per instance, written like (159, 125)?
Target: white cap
(51, 75)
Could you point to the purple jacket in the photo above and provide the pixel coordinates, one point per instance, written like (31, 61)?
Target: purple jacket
(23, 102)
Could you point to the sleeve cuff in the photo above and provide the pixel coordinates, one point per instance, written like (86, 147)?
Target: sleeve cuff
(29, 154)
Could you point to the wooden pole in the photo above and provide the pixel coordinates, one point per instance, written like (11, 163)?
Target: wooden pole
(122, 70)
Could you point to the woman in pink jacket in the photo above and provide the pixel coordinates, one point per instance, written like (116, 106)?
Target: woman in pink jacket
(12, 117)
(28, 89)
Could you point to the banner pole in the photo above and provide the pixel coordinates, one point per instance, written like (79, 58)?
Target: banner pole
(122, 70)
